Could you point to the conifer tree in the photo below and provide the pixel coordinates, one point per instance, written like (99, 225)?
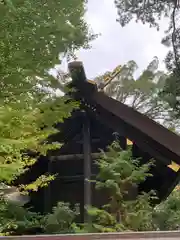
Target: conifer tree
(120, 174)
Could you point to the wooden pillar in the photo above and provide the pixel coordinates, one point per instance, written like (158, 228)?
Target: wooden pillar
(47, 190)
(87, 165)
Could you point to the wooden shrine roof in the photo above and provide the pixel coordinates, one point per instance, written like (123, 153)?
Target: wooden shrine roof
(154, 134)
(162, 144)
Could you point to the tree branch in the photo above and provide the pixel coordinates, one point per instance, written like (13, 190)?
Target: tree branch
(176, 3)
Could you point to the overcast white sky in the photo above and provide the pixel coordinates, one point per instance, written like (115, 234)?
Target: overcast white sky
(117, 45)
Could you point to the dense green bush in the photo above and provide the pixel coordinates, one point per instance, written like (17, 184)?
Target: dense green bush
(119, 174)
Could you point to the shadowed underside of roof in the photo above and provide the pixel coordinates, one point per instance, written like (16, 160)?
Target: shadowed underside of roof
(160, 134)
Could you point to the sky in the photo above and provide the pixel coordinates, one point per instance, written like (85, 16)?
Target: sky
(117, 45)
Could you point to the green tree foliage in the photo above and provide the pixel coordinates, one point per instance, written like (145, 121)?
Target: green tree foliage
(171, 93)
(120, 175)
(166, 215)
(32, 37)
(16, 220)
(61, 220)
(151, 12)
(33, 34)
(21, 129)
(143, 92)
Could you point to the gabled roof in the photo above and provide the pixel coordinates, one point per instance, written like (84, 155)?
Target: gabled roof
(162, 144)
(154, 133)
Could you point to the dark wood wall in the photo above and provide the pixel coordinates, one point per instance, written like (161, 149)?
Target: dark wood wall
(69, 185)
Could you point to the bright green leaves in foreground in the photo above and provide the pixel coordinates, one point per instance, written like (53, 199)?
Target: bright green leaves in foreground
(32, 35)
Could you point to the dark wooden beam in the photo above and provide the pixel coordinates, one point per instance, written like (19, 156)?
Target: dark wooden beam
(87, 165)
(74, 178)
(97, 140)
(73, 157)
